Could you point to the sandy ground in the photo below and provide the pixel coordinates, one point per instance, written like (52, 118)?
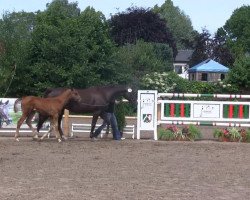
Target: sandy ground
(79, 169)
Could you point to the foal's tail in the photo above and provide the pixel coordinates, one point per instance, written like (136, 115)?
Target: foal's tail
(15, 104)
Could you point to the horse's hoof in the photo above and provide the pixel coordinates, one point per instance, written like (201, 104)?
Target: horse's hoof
(59, 140)
(17, 139)
(35, 138)
(93, 139)
(65, 138)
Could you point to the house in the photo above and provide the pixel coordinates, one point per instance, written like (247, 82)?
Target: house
(181, 62)
(208, 71)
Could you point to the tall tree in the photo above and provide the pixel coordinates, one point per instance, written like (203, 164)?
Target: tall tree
(136, 60)
(202, 47)
(15, 34)
(178, 22)
(139, 23)
(206, 46)
(239, 75)
(237, 29)
(221, 51)
(68, 47)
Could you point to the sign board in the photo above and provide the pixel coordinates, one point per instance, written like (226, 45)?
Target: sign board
(206, 110)
(8, 118)
(147, 111)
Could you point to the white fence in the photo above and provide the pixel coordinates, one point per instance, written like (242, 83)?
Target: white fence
(164, 110)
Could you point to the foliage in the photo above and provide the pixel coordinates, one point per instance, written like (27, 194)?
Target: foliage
(171, 82)
(140, 24)
(240, 74)
(194, 132)
(74, 46)
(221, 50)
(224, 87)
(237, 29)
(133, 61)
(120, 115)
(165, 134)
(178, 22)
(172, 132)
(15, 35)
(65, 48)
(232, 134)
(163, 82)
(216, 48)
(202, 48)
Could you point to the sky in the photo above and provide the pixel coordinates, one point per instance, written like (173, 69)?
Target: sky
(209, 14)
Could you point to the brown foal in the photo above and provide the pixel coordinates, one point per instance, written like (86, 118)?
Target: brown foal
(51, 107)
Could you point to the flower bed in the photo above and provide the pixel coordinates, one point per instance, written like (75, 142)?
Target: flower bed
(232, 135)
(172, 132)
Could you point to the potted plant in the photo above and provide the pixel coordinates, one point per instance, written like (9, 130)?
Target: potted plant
(172, 132)
(232, 135)
(222, 134)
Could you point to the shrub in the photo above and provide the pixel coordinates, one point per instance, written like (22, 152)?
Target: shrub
(232, 134)
(172, 132)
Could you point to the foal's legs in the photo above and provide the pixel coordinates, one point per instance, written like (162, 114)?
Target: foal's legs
(19, 123)
(59, 125)
(54, 123)
(48, 133)
(28, 122)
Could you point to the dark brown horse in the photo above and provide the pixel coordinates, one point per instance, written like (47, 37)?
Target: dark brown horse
(51, 107)
(93, 100)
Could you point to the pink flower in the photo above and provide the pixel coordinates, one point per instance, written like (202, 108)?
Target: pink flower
(225, 132)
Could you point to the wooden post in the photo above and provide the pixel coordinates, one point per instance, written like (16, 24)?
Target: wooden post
(66, 123)
(158, 111)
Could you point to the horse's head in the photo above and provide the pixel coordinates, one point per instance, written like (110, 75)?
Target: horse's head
(4, 112)
(75, 95)
(131, 95)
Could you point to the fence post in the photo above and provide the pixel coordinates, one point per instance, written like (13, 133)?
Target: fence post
(158, 112)
(66, 123)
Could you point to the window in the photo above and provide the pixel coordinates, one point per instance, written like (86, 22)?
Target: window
(222, 76)
(204, 77)
(193, 77)
(178, 69)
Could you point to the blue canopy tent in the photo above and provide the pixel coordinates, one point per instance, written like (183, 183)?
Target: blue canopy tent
(208, 70)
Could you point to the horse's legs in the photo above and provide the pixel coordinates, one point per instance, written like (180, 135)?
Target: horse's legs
(106, 121)
(54, 122)
(99, 130)
(28, 122)
(47, 133)
(41, 120)
(19, 123)
(59, 124)
(107, 131)
(107, 118)
(93, 123)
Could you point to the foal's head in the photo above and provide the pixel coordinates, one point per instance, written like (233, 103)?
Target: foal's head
(74, 95)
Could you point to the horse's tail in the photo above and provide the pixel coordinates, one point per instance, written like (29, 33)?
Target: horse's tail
(15, 104)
